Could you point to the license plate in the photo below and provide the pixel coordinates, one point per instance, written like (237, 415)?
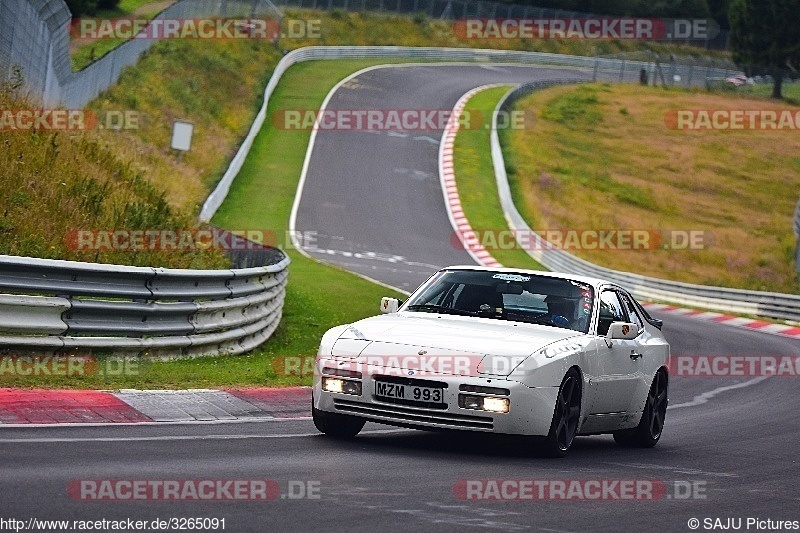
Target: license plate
(408, 392)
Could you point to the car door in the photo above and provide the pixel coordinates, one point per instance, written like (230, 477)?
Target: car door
(654, 349)
(616, 369)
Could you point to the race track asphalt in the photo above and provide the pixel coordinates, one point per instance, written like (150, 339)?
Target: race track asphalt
(374, 199)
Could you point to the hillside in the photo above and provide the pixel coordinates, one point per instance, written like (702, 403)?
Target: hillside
(611, 157)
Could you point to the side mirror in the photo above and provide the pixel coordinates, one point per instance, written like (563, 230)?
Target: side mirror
(389, 305)
(622, 330)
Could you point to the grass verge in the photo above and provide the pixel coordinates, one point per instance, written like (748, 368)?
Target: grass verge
(790, 91)
(477, 188)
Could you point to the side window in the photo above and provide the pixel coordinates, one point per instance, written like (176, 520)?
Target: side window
(610, 311)
(632, 312)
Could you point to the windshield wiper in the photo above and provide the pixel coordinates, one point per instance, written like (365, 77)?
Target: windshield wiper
(439, 309)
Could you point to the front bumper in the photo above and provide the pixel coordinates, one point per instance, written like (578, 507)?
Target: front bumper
(530, 411)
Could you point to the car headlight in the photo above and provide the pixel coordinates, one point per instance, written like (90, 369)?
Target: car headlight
(341, 386)
(496, 405)
(493, 404)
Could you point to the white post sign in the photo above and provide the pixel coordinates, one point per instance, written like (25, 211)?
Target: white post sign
(182, 136)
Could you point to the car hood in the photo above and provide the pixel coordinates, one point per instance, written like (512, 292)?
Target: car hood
(485, 345)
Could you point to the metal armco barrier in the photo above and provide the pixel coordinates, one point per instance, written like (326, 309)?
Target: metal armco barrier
(54, 305)
(764, 304)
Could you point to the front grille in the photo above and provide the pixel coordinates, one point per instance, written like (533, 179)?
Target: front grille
(414, 403)
(405, 415)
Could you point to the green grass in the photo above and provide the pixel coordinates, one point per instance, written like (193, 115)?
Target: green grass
(790, 91)
(126, 7)
(477, 188)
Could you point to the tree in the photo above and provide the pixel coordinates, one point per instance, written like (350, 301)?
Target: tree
(764, 34)
(682, 9)
(719, 12)
(80, 8)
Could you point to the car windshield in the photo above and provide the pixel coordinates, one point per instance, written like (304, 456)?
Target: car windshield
(518, 297)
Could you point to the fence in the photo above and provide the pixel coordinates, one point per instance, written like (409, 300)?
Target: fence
(34, 35)
(53, 305)
(462, 9)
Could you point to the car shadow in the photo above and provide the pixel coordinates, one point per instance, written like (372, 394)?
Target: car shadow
(464, 444)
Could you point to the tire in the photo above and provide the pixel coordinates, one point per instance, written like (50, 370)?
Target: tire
(651, 426)
(566, 416)
(336, 425)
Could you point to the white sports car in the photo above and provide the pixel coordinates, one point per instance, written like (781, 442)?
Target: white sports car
(500, 350)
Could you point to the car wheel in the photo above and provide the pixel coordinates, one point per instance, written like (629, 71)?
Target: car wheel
(566, 416)
(336, 425)
(650, 427)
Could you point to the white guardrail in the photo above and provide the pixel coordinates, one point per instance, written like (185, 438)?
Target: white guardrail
(764, 304)
(155, 312)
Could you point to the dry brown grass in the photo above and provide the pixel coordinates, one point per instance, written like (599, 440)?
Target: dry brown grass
(57, 182)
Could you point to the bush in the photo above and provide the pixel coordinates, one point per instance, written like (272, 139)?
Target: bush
(79, 8)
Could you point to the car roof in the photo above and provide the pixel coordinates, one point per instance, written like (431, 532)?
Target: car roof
(596, 282)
